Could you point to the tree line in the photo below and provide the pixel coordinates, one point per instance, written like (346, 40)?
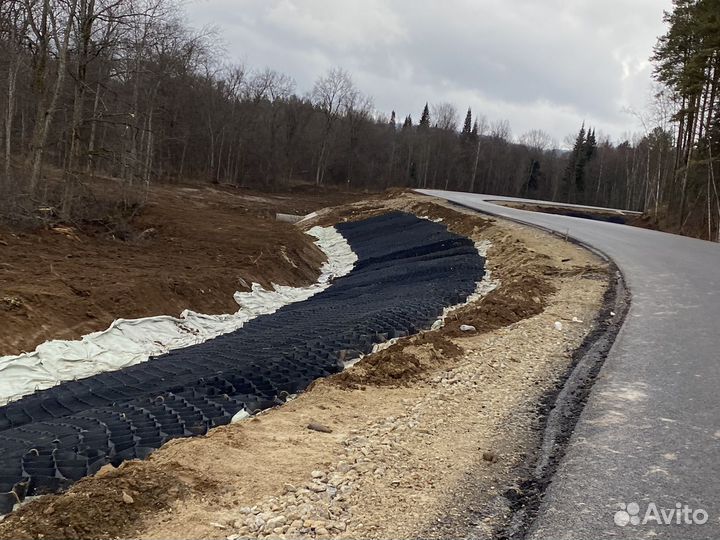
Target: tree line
(125, 89)
(687, 65)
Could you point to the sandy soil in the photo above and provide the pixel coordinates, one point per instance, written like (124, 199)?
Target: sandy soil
(189, 248)
(408, 431)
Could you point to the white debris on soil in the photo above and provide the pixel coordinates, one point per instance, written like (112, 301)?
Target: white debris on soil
(558, 325)
(308, 217)
(131, 341)
(467, 328)
(288, 218)
(242, 414)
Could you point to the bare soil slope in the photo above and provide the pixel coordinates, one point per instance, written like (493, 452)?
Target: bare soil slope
(188, 248)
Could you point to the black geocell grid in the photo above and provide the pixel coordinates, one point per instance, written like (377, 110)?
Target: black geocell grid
(408, 270)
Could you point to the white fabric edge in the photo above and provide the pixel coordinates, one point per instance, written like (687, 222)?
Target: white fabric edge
(131, 341)
(482, 288)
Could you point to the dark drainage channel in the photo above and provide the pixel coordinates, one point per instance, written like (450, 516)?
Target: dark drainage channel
(408, 270)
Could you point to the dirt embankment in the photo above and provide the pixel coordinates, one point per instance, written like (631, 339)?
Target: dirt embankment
(406, 428)
(644, 221)
(188, 248)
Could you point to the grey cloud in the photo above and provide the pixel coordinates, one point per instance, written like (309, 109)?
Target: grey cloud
(546, 64)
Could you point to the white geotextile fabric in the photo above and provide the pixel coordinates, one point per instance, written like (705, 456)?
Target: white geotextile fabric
(482, 288)
(130, 341)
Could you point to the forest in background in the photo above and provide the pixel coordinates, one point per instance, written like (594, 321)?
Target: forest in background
(126, 89)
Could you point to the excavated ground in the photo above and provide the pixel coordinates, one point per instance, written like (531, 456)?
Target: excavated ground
(188, 248)
(383, 449)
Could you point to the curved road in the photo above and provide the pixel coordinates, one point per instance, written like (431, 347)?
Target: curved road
(650, 431)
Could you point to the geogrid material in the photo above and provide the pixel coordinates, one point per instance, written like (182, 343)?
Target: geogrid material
(408, 270)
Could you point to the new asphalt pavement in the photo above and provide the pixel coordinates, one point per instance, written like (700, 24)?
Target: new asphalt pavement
(644, 459)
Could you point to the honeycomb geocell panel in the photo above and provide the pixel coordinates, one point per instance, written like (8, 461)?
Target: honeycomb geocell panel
(408, 270)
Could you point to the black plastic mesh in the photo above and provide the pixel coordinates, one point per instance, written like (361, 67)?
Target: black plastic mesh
(408, 270)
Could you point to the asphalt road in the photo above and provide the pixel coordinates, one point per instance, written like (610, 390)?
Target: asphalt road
(650, 431)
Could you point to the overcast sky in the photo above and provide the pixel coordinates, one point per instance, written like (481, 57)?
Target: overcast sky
(546, 64)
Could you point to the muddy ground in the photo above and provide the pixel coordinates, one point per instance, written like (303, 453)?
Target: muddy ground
(387, 449)
(189, 247)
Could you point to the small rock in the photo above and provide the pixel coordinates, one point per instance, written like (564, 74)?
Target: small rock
(289, 488)
(70, 532)
(318, 474)
(147, 234)
(49, 510)
(335, 479)
(558, 325)
(338, 525)
(251, 525)
(105, 470)
(305, 509)
(127, 499)
(275, 522)
(217, 525)
(265, 516)
(489, 456)
(467, 328)
(360, 442)
(314, 426)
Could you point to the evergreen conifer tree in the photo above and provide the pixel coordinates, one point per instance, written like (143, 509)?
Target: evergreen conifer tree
(425, 118)
(467, 126)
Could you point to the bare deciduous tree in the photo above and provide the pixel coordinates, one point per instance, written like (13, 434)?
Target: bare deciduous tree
(331, 94)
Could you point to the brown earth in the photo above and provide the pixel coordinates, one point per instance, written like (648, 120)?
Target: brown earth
(189, 247)
(643, 221)
(403, 430)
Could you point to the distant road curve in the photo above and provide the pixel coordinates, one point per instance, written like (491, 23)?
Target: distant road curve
(650, 432)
